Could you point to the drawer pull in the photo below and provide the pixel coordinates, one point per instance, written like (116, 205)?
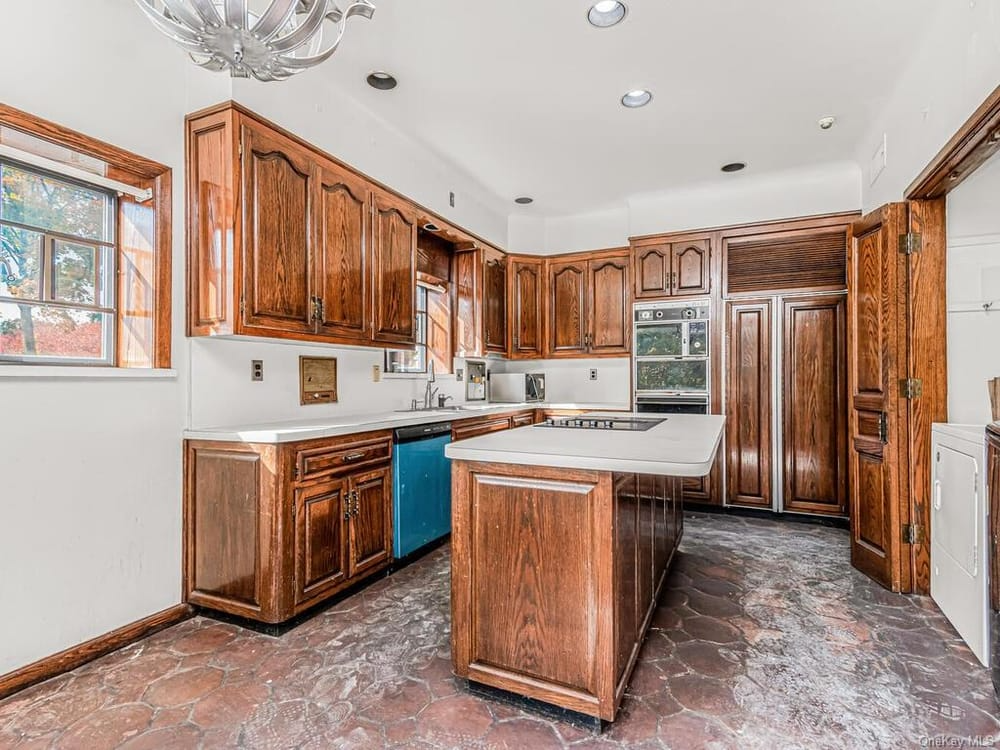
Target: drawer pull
(355, 456)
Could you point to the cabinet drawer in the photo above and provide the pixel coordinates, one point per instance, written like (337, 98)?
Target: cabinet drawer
(463, 432)
(326, 460)
(523, 420)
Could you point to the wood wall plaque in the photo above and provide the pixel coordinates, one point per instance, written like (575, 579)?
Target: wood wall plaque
(318, 380)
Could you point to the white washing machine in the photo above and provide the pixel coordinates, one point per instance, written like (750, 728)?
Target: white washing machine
(959, 531)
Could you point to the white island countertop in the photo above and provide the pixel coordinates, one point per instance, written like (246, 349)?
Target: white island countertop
(293, 431)
(682, 445)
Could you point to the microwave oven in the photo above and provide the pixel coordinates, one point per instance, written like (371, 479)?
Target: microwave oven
(517, 387)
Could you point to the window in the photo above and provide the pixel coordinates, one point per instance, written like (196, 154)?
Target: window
(85, 249)
(415, 360)
(57, 269)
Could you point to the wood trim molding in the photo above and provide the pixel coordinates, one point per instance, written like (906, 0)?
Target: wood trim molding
(758, 227)
(71, 658)
(975, 142)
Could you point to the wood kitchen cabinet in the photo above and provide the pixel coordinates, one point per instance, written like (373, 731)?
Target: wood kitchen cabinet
(589, 313)
(495, 310)
(394, 265)
(525, 307)
(671, 269)
(480, 319)
(285, 242)
(272, 530)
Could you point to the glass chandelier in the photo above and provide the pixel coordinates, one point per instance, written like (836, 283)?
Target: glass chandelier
(268, 39)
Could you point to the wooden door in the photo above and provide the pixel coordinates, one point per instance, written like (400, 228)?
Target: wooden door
(526, 308)
(748, 403)
(876, 315)
(689, 268)
(814, 404)
(371, 520)
(342, 262)
(394, 262)
(610, 305)
(467, 329)
(495, 301)
(652, 271)
(567, 319)
(278, 178)
(321, 517)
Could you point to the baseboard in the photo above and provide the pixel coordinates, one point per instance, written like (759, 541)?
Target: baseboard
(71, 658)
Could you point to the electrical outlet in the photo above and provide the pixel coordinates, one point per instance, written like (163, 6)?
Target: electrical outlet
(257, 370)
(376, 373)
(459, 373)
(593, 373)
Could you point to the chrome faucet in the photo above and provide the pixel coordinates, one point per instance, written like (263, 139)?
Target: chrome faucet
(430, 392)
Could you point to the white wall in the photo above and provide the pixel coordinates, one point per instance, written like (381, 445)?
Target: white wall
(568, 380)
(953, 69)
(90, 502)
(745, 198)
(973, 279)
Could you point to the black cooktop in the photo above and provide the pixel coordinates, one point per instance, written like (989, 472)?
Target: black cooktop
(625, 424)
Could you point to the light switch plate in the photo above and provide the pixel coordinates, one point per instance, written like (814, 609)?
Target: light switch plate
(376, 373)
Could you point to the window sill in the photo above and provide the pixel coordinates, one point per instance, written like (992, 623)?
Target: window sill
(36, 372)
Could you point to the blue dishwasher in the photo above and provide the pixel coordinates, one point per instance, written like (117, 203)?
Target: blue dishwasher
(421, 486)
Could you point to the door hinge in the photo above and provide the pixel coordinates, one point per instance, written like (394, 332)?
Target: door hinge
(910, 243)
(913, 533)
(243, 305)
(241, 149)
(883, 427)
(911, 388)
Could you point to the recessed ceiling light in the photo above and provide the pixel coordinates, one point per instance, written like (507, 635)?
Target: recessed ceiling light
(826, 123)
(637, 98)
(524, 200)
(735, 166)
(379, 79)
(606, 13)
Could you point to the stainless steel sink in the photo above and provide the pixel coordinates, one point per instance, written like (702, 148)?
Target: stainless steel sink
(421, 409)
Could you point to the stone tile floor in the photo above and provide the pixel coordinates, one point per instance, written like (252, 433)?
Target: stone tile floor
(765, 638)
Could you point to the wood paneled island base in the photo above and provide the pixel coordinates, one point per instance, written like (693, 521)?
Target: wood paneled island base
(555, 575)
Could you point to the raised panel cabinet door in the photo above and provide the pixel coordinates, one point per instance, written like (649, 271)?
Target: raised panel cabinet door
(652, 271)
(814, 404)
(278, 178)
(690, 268)
(610, 306)
(370, 527)
(495, 301)
(626, 529)
(876, 306)
(567, 319)
(467, 330)
(526, 308)
(320, 539)
(748, 403)
(394, 270)
(342, 263)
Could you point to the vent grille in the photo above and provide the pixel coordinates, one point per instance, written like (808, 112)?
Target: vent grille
(805, 262)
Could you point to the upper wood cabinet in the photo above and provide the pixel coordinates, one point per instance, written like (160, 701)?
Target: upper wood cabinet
(495, 310)
(589, 305)
(672, 269)
(525, 307)
(285, 242)
(480, 310)
(394, 262)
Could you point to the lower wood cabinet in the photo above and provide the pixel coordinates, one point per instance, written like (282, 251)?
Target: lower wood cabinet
(271, 530)
(470, 428)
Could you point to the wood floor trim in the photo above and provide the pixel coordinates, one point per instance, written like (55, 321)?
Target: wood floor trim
(71, 658)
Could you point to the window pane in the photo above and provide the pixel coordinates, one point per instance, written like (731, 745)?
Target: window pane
(74, 272)
(37, 330)
(20, 263)
(48, 203)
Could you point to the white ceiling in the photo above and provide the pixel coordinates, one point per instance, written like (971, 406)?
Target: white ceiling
(523, 95)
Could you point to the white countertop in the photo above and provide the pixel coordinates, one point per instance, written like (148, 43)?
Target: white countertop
(292, 431)
(682, 445)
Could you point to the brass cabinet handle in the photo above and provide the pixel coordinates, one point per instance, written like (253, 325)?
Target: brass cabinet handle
(357, 503)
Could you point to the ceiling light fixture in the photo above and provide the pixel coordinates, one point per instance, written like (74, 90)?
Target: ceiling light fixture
(379, 79)
(606, 13)
(524, 200)
(735, 166)
(825, 123)
(637, 98)
(273, 41)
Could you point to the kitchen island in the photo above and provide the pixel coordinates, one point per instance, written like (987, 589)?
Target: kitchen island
(561, 541)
